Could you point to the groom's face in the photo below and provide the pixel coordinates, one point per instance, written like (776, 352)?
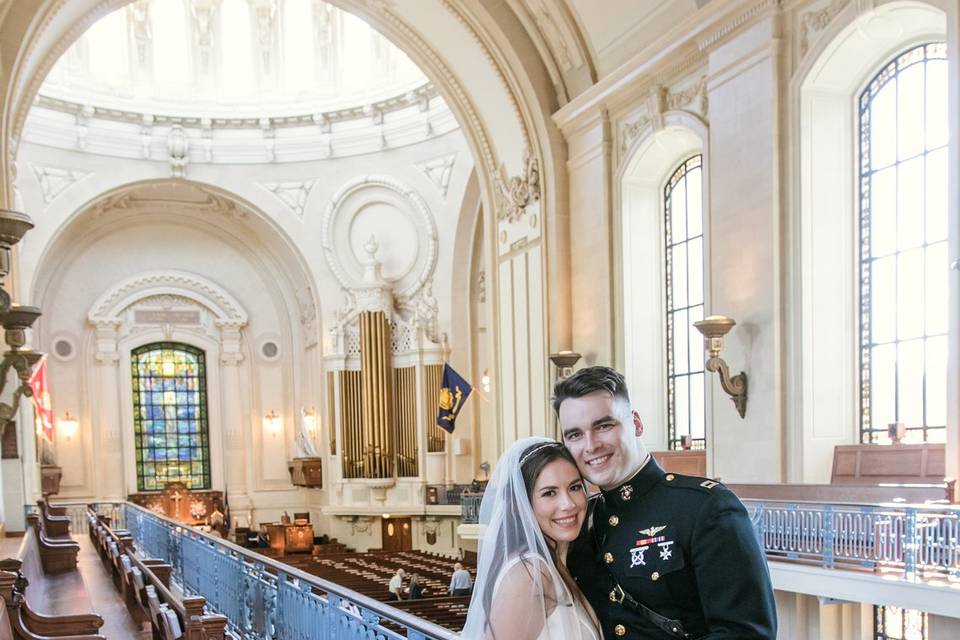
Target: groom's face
(601, 432)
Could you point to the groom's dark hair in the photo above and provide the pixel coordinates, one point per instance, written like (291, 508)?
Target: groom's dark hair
(588, 380)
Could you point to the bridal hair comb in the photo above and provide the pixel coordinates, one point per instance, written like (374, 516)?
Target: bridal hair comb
(537, 447)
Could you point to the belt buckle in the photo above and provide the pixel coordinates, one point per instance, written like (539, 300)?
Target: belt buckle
(617, 589)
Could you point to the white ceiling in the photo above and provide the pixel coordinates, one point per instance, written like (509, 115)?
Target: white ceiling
(618, 29)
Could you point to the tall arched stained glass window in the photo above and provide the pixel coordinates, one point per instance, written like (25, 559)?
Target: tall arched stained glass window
(170, 416)
(903, 247)
(683, 225)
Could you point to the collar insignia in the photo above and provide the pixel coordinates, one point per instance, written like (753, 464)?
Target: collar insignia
(652, 531)
(626, 491)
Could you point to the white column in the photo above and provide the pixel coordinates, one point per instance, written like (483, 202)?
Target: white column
(234, 457)
(108, 440)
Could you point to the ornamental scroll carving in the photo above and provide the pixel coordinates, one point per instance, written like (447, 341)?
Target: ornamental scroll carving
(661, 100)
(515, 193)
(813, 22)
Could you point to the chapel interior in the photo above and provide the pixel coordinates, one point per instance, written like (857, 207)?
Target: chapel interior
(245, 243)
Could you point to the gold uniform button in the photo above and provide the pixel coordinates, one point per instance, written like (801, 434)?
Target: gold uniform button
(620, 630)
(669, 477)
(614, 521)
(655, 576)
(608, 557)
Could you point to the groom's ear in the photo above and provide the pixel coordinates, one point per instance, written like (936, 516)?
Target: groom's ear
(637, 423)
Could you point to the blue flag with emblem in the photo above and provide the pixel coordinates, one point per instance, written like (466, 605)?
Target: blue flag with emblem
(454, 391)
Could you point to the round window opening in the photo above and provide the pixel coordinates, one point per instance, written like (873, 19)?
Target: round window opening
(269, 350)
(63, 348)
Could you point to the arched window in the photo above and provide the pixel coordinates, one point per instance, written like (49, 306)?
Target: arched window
(683, 255)
(170, 416)
(903, 247)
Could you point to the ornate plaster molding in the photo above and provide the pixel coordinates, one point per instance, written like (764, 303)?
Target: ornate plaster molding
(292, 194)
(516, 192)
(812, 23)
(54, 180)
(417, 205)
(439, 171)
(109, 307)
(660, 101)
(137, 199)
(720, 32)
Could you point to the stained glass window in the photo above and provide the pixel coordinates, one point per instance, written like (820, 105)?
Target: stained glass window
(903, 247)
(684, 304)
(170, 416)
(894, 623)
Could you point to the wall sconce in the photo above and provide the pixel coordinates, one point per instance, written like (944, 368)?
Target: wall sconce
(69, 426)
(564, 361)
(713, 329)
(272, 423)
(309, 420)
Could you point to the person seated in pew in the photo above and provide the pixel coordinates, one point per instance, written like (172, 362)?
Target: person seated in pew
(396, 585)
(460, 582)
(416, 590)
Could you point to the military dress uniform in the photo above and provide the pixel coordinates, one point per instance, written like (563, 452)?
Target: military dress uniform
(671, 556)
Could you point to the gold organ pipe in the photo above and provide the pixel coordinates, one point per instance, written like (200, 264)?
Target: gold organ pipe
(405, 397)
(433, 378)
(331, 414)
(376, 393)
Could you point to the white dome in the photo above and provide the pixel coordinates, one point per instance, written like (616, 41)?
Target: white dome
(231, 58)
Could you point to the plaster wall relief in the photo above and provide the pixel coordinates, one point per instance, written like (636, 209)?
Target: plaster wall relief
(439, 171)
(687, 95)
(294, 194)
(521, 308)
(814, 18)
(54, 180)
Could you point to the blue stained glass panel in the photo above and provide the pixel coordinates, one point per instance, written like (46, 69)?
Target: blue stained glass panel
(169, 420)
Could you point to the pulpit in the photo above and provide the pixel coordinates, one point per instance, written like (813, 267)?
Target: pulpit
(289, 538)
(176, 501)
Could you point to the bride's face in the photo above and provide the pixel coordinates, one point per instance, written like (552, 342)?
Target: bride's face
(559, 501)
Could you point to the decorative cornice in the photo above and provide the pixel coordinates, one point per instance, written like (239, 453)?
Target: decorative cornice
(405, 100)
(107, 310)
(738, 20)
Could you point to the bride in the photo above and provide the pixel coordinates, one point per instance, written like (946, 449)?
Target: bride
(532, 509)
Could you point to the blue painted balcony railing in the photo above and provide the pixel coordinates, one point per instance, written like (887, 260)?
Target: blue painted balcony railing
(267, 600)
(906, 541)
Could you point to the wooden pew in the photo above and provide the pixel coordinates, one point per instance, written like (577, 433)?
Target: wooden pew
(684, 461)
(865, 464)
(56, 554)
(55, 520)
(45, 605)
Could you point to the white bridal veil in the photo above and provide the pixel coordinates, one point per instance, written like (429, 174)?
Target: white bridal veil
(518, 586)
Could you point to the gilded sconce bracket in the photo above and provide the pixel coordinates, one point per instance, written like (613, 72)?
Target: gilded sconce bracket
(713, 329)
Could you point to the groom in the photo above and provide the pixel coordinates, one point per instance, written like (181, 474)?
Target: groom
(662, 555)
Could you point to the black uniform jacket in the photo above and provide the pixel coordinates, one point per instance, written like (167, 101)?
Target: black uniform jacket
(683, 547)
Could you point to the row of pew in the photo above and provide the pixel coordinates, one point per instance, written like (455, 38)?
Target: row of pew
(369, 574)
(43, 592)
(144, 585)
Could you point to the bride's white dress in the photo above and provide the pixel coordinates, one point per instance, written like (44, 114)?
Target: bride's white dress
(564, 622)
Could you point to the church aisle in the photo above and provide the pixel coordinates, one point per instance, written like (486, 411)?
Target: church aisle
(106, 600)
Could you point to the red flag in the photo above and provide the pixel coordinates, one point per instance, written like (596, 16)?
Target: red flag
(42, 408)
